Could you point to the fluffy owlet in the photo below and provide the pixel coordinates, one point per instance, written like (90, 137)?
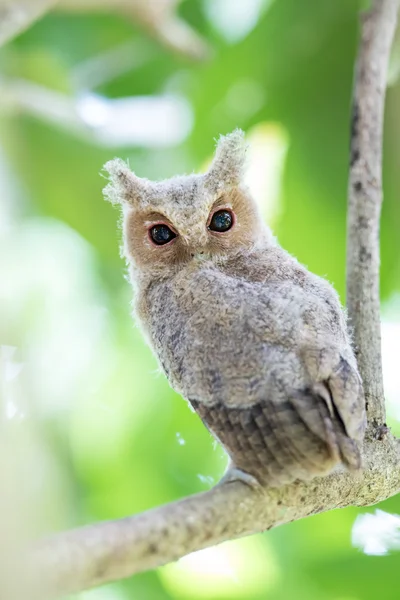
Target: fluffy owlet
(257, 344)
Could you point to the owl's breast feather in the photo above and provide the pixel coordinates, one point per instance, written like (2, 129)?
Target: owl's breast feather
(219, 337)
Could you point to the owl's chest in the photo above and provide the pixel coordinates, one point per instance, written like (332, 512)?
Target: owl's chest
(203, 307)
(210, 327)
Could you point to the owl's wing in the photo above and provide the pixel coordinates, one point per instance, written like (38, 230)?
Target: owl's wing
(331, 413)
(271, 441)
(348, 399)
(320, 413)
(331, 366)
(299, 437)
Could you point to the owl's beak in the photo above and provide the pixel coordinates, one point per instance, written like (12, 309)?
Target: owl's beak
(200, 256)
(194, 241)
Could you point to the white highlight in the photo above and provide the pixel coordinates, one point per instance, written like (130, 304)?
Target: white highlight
(268, 144)
(9, 391)
(149, 121)
(180, 439)
(235, 19)
(376, 534)
(390, 365)
(234, 569)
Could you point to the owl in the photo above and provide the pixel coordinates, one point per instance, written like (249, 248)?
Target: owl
(254, 342)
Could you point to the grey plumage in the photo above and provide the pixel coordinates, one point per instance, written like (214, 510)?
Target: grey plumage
(255, 342)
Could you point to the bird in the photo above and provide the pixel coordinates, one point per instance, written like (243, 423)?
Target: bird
(257, 344)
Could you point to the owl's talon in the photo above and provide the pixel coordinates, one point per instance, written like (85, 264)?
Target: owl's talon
(234, 474)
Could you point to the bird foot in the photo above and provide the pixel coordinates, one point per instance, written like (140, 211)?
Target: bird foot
(234, 474)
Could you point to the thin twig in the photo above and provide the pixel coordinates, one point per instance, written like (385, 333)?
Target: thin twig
(365, 199)
(160, 19)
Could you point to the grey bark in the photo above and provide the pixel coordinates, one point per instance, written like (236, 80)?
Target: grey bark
(104, 552)
(365, 200)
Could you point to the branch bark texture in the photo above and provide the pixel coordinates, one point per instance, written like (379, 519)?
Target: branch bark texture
(108, 551)
(365, 199)
(104, 552)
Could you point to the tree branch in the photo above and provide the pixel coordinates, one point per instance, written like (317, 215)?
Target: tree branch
(365, 199)
(159, 19)
(104, 552)
(15, 17)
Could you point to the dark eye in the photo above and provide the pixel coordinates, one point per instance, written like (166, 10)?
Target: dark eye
(221, 221)
(161, 234)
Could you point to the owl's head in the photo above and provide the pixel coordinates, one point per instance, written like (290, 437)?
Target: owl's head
(171, 223)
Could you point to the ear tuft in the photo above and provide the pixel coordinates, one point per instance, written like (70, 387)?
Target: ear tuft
(228, 165)
(124, 185)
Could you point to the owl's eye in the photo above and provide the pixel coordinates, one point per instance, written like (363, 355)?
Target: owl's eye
(221, 221)
(161, 234)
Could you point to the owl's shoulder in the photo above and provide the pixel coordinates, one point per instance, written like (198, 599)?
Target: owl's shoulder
(274, 266)
(268, 264)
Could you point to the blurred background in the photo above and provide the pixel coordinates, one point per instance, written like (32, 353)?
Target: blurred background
(90, 429)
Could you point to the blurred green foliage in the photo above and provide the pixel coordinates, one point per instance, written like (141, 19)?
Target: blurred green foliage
(120, 440)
